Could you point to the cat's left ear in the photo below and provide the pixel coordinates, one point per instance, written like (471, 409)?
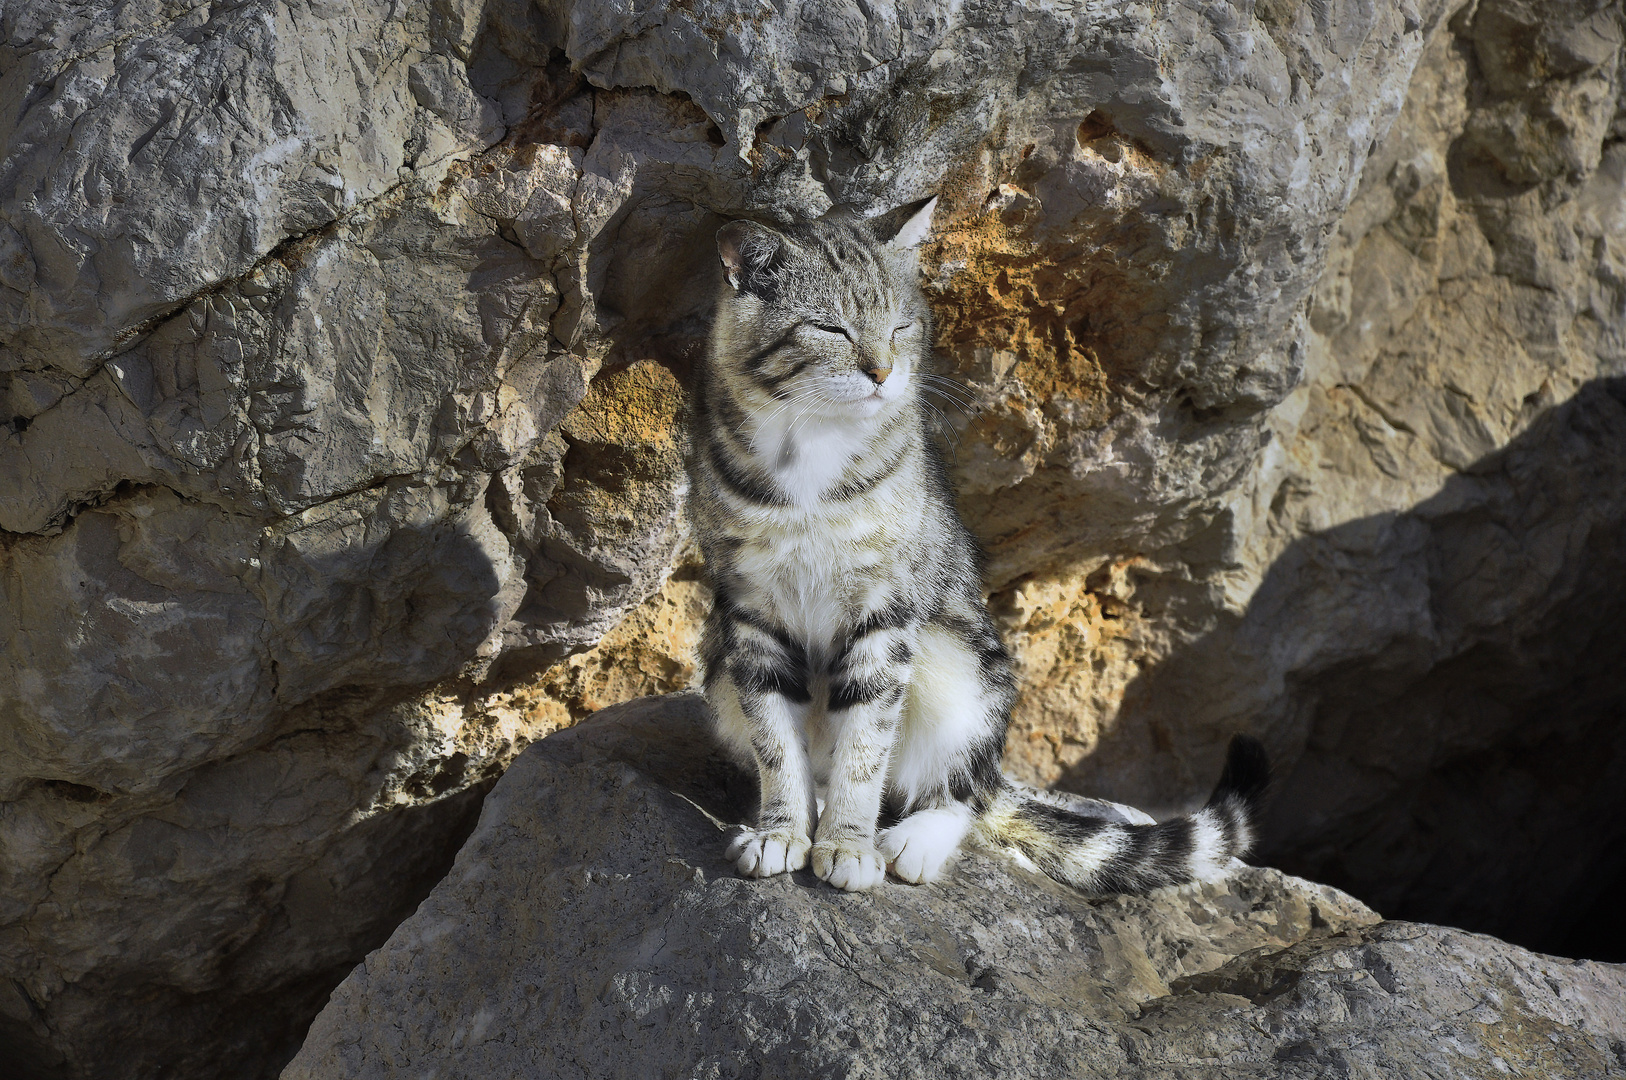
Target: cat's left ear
(915, 228)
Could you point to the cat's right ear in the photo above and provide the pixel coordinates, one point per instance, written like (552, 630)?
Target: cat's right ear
(914, 230)
(746, 248)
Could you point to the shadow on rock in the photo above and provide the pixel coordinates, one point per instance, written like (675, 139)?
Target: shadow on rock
(1448, 708)
(189, 916)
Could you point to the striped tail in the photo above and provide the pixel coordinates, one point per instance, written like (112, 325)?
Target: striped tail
(1103, 857)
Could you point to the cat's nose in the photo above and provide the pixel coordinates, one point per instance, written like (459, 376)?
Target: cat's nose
(877, 375)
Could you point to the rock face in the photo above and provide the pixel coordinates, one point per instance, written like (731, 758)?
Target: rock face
(590, 928)
(1417, 592)
(342, 353)
(341, 364)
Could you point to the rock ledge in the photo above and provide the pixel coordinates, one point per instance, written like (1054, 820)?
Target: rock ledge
(590, 928)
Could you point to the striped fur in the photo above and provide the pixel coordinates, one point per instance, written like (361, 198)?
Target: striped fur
(1098, 856)
(848, 647)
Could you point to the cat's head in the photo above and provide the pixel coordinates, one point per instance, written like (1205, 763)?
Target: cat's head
(828, 314)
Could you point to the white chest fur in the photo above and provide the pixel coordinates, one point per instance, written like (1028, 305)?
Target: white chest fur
(807, 455)
(815, 564)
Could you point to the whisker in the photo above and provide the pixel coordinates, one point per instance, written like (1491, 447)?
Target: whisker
(952, 392)
(947, 384)
(799, 396)
(953, 443)
(966, 409)
(791, 431)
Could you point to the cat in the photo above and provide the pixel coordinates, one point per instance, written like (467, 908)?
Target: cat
(848, 645)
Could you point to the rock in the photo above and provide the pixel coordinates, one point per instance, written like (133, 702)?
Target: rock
(1457, 307)
(1413, 593)
(341, 366)
(590, 927)
(343, 351)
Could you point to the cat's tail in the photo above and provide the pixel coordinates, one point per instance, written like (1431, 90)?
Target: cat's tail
(1101, 856)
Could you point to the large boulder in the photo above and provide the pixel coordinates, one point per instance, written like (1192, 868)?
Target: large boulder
(591, 928)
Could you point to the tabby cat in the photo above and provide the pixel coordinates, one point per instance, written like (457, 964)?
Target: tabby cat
(848, 646)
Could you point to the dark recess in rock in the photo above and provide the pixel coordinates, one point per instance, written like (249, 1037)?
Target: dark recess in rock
(1508, 816)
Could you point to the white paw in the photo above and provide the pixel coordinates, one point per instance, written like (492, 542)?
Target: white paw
(918, 846)
(766, 852)
(851, 864)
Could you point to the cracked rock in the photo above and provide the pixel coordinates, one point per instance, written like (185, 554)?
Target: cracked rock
(590, 927)
(342, 353)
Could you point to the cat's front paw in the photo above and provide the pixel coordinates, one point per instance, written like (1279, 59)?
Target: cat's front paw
(851, 864)
(921, 844)
(766, 852)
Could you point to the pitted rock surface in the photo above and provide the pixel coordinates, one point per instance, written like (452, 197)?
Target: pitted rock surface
(590, 928)
(342, 352)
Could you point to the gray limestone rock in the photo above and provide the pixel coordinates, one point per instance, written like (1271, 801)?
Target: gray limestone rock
(341, 357)
(591, 928)
(1417, 593)
(155, 150)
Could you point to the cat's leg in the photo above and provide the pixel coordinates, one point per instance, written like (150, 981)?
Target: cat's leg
(770, 724)
(867, 685)
(759, 701)
(946, 762)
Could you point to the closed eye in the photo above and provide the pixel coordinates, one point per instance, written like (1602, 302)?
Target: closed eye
(830, 328)
(902, 328)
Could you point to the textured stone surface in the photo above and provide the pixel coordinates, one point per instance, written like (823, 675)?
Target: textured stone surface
(341, 352)
(1429, 349)
(1416, 593)
(590, 928)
